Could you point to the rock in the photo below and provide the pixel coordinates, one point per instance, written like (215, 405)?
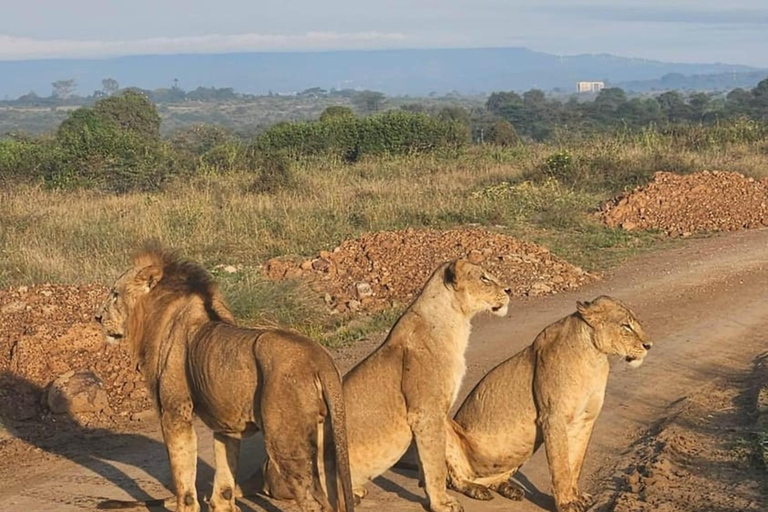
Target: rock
(74, 393)
(79, 338)
(321, 264)
(145, 416)
(475, 256)
(628, 225)
(354, 305)
(13, 307)
(363, 290)
(229, 269)
(540, 288)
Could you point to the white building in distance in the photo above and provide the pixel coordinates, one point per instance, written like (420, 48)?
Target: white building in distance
(584, 87)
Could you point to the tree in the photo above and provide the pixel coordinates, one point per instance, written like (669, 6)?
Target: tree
(698, 102)
(131, 111)
(368, 102)
(63, 89)
(109, 86)
(502, 133)
(336, 111)
(673, 106)
(534, 97)
(454, 114)
(610, 99)
(500, 103)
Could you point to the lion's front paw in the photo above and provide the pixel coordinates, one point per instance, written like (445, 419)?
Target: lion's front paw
(447, 505)
(583, 503)
(359, 494)
(476, 491)
(510, 490)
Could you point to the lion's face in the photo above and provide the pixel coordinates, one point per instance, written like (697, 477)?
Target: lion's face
(122, 298)
(616, 329)
(476, 289)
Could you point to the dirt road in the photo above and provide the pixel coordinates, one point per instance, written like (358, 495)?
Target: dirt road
(704, 303)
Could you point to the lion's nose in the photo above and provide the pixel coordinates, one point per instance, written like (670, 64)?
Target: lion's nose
(508, 291)
(647, 346)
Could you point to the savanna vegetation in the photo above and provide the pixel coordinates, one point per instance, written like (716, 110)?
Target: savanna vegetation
(74, 203)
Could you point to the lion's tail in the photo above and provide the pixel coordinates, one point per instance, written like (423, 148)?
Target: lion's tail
(330, 380)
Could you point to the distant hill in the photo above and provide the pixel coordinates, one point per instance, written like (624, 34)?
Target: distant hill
(713, 82)
(414, 72)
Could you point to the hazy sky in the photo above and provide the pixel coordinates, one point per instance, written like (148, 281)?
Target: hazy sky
(734, 31)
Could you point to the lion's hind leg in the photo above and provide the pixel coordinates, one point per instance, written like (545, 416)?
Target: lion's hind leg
(291, 441)
(460, 472)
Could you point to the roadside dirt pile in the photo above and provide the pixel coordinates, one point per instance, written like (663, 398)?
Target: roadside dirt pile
(53, 358)
(377, 270)
(682, 205)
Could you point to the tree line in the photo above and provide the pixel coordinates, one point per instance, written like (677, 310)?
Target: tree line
(116, 144)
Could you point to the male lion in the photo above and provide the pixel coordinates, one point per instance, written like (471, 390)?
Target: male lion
(405, 388)
(237, 380)
(550, 392)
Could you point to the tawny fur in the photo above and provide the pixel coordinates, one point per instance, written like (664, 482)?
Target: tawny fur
(405, 388)
(196, 361)
(551, 392)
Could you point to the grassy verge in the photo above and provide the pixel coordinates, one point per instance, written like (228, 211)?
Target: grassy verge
(85, 236)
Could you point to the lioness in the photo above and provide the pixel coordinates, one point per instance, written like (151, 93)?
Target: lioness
(237, 380)
(405, 388)
(550, 392)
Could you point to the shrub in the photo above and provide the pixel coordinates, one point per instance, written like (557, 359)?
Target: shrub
(275, 173)
(502, 133)
(336, 111)
(394, 132)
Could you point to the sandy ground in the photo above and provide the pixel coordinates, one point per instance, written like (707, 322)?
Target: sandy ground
(703, 303)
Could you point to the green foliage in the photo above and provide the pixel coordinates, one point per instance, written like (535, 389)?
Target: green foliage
(336, 111)
(394, 132)
(559, 165)
(275, 173)
(115, 146)
(131, 111)
(368, 102)
(502, 133)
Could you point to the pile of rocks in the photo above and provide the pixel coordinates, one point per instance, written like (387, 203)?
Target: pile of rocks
(378, 270)
(54, 360)
(681, 205)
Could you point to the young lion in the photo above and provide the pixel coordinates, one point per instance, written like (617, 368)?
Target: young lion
(237, 380)
(550, 392)
(405, 388)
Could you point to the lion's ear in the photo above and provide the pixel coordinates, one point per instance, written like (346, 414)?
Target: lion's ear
(585, 310)
(149, 276)
(449, 276)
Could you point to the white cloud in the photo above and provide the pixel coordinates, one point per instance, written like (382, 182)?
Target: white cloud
(21, 48)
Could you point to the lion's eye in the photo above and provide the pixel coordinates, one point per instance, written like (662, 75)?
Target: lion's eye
(485, 279)
(628, 328)
(114, 296)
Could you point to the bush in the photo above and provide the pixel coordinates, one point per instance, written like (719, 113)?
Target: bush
(275, 173)
(502, 133)
(336, 111)
(115, 145)
(394, 132)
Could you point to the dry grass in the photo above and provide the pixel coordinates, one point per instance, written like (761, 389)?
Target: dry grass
(86, 236)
